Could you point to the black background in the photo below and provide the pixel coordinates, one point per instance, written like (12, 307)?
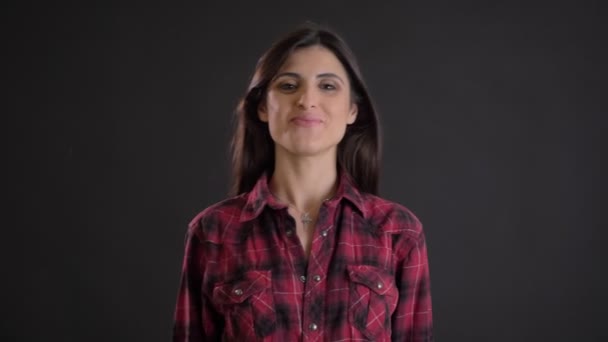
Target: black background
(119, 119)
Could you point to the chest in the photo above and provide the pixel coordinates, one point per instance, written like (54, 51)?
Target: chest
(285, 291)
(278, 242)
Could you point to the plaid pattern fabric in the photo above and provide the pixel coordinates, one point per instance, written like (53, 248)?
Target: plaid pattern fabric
(245, 276)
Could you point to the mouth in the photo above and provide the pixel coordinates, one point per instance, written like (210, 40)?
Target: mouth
(306, 121)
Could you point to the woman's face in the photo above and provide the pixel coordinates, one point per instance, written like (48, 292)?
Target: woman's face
(308, 103)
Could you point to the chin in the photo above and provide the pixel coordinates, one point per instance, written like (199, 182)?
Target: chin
(307, 147)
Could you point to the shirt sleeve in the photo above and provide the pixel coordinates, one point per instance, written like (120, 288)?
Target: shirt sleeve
(412, 319)
(195, 318)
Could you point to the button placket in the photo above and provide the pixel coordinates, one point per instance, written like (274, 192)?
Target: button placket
(316, 271)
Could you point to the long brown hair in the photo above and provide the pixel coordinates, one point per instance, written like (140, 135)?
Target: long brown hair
(252, 146)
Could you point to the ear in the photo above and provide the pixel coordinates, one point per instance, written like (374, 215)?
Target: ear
(352, 114)
(262, 112)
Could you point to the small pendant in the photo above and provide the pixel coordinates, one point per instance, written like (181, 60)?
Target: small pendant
(306, 219)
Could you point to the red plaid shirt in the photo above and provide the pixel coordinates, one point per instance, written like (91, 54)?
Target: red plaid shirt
(245, 276)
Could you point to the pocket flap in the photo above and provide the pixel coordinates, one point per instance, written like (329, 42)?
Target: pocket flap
(238, 290)
(377, 279)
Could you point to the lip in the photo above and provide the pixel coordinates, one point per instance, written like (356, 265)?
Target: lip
(306, 120)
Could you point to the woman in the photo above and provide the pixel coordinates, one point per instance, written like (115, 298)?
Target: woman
(305, 250)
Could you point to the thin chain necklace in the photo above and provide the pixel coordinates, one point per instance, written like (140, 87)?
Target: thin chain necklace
(305, 217)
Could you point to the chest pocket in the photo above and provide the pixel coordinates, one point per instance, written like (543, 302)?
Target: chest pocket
(372, 299)
(247, 304)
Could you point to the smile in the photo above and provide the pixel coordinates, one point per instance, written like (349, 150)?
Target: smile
(304, 121)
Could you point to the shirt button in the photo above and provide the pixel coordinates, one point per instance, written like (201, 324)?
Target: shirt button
(238, 292)
(303, 279)
(289, 232)
(379, 285)
(317, 278)
(313, 327)
(324, 233)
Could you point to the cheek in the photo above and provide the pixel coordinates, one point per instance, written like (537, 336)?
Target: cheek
(270, 104)
(340, 118)
(343, 112)
(275, 106)
(273, 112)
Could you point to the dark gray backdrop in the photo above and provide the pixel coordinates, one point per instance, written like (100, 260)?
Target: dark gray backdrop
(119, 119)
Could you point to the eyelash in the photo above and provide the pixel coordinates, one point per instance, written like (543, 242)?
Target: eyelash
(291, 86)
(287, 86)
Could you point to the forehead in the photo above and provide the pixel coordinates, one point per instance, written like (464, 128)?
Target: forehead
(313, 59)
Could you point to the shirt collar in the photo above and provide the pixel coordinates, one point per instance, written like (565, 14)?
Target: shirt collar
(260, 196)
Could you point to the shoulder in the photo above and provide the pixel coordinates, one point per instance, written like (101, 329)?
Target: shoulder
(390, 217)
(211, 223)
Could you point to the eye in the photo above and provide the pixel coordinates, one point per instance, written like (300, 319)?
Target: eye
(327, 86)
(287, 86)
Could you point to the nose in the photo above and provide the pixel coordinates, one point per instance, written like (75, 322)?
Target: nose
(307, 98)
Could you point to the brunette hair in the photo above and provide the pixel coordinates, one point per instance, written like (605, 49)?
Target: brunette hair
(252, 146)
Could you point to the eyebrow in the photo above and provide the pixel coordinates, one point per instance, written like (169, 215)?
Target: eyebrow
(296, 75)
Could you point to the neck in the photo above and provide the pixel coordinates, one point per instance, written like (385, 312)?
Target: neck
(304, 182)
